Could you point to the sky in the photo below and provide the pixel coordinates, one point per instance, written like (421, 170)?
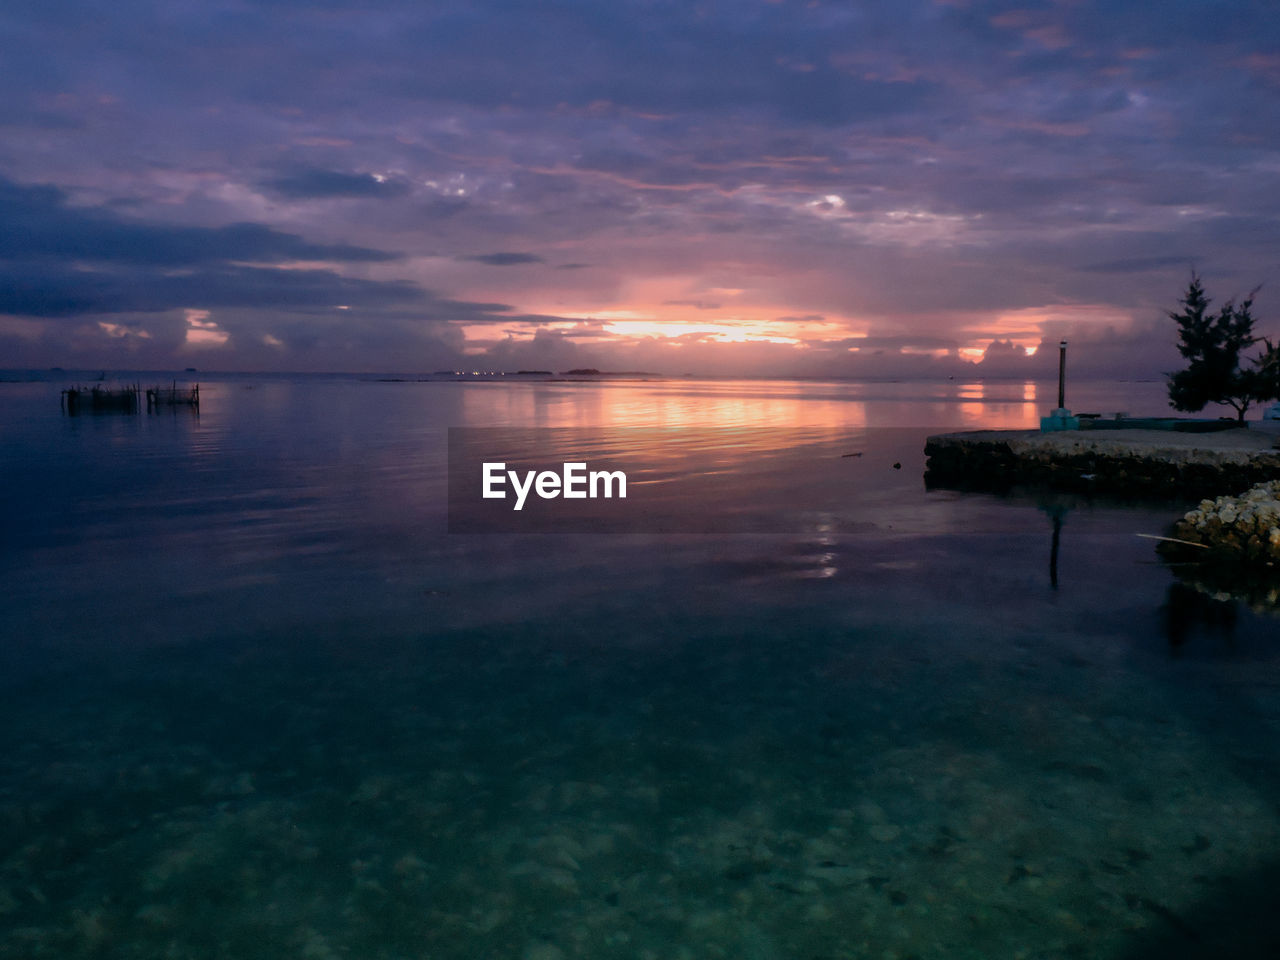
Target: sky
(882, 188)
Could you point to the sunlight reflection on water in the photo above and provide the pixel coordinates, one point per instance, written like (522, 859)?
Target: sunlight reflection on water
(255, 697)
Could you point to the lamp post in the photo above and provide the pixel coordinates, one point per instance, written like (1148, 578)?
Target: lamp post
(1061, 418)
(1062, 374)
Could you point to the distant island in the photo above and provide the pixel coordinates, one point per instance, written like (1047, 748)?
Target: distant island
(576, 372)
(593, 372)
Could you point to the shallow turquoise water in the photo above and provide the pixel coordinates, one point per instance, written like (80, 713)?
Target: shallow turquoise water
(258, 703)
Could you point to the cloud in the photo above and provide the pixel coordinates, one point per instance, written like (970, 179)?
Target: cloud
(318, 183)
(696, 304)
(56, 290)
(1139, 264)
(934, 176)
(37, 223)
(57, 260)
(504, 259)
(907, 343)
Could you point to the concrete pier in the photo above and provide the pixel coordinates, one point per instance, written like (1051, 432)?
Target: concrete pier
(1129, 463)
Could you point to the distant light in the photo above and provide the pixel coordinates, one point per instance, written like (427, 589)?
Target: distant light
(342, 306)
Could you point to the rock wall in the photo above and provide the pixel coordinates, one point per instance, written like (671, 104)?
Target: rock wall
(994, 462)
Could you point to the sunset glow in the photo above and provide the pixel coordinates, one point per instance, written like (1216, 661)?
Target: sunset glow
(765, 190)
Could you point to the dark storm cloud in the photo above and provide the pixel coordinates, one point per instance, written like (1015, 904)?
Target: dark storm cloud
(663, 58)
(58, 260)
(670, 57)
(910, 161)
(318, 183)
(37, 223)
(504, 259)
(41, 289)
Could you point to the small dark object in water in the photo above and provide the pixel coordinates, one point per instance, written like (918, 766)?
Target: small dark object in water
(942, 845)
(786, 887)
(857, 453)
(171, 396)
(1135, 901)
(897, 466)
(100, 400)
(1020, 872)
(746, 869)
(1199, 845)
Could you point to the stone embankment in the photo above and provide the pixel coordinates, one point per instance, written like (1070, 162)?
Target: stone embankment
(1128, 463)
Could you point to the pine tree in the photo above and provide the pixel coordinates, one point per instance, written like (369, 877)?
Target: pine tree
(1267, 371)
(1211, 344)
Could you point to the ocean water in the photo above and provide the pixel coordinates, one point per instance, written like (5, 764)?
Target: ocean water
(258, 702)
